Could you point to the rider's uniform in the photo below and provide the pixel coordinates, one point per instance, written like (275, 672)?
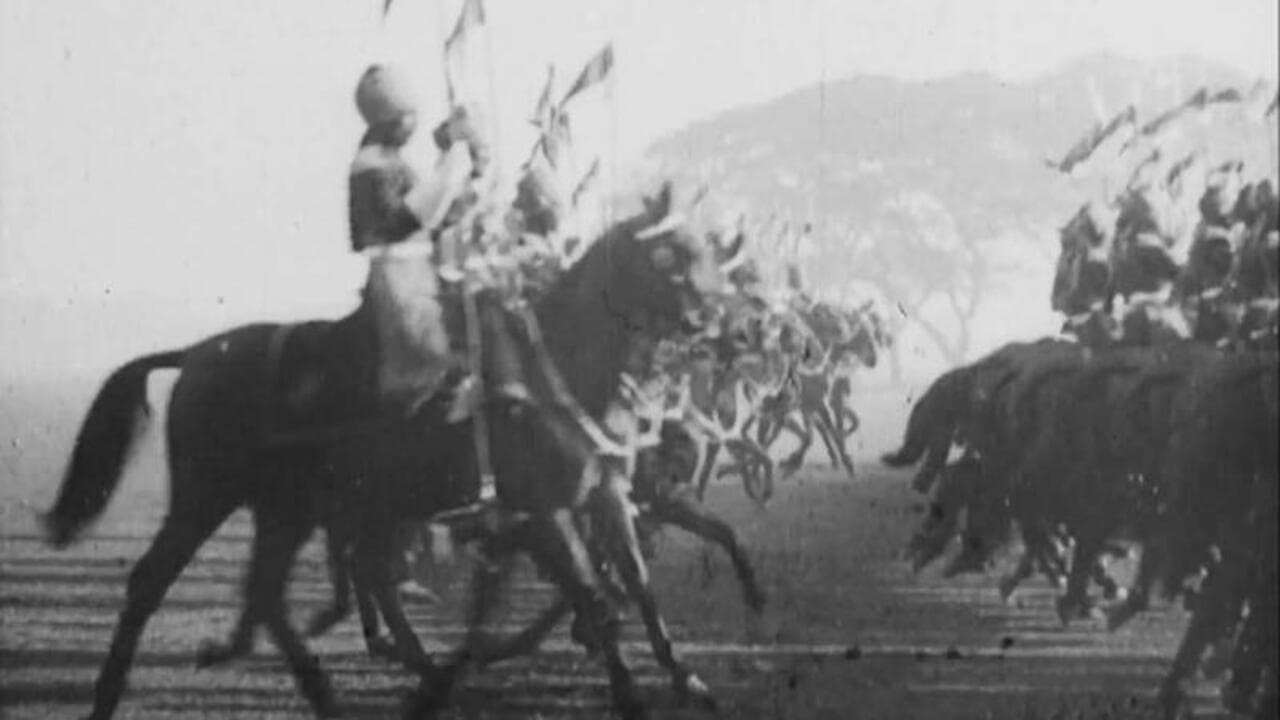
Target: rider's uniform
(394, 216)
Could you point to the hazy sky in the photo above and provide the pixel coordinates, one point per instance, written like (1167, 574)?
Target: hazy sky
(196, 151)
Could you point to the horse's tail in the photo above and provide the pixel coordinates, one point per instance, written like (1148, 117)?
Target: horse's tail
(935, 417)
(101, 447)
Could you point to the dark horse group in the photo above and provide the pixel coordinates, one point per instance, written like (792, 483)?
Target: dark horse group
(558, 500)
(1138, 437)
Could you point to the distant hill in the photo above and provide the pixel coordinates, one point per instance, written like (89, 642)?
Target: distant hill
(974, 141)
(969, 148)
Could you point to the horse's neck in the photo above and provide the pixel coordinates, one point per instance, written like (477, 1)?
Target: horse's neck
(587, 340)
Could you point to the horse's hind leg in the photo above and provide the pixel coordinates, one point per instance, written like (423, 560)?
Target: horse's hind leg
(340, 576)
(240, 642)
(373, 570)
(280, 539)
(378, 645)
(185, 529)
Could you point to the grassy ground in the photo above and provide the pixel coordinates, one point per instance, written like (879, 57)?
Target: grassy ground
(849, 632)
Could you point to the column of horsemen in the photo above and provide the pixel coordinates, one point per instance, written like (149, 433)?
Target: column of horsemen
(468, 318)
(1129, 432)
(1152, 421)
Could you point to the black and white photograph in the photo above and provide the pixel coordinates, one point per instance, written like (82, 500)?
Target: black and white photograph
(639, 359)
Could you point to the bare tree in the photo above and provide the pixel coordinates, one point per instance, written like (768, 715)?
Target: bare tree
(934, 277)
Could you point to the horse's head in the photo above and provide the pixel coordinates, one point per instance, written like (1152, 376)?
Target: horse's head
(1093, 328)
(663, 276)
(868, 334)
(1082, 278)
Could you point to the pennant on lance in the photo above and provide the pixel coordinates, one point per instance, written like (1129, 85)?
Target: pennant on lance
(544, 111)
(585, 183)
(457, 63)
(596, 70)
(1086, 146)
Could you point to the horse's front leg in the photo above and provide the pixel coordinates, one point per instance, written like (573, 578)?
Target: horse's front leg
(804, 431)
(834, 441)
(1075, 602)
(527, 641)
(708, 465)
(1212, 611)
(756, 469)
(822, 423)
(556, 545)
(685, 513)
(372, 564)
(611, 512)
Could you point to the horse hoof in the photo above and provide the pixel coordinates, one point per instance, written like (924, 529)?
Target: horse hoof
(1219, 659)
(323, 621)
(1236, 699)
(420, 705)
(1068, 610)
(412, 591)
(1170, 701)
(965, 564)
(212, 653)
(431, 697)
(692, 692)
(631, 710)
(383, 648)
(581, 634)
(1007, 586)
(1119, 615)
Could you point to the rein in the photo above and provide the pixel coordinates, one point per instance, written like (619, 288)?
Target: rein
(605, 445)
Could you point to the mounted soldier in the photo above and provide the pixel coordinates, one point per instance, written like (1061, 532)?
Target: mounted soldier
(1144, 271)
(395, 217)
(1256, 274)
(1205, 283)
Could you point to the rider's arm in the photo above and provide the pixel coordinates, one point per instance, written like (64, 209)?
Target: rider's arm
(431, 198)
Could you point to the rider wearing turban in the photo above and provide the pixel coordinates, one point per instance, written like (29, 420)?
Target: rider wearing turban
(411, 228)
(393, 215)
(1205, 281)
(413, 231)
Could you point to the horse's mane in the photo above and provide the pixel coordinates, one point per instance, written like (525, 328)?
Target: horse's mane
(586, 336)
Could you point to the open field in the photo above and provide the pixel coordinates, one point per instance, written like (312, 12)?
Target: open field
(848, 632)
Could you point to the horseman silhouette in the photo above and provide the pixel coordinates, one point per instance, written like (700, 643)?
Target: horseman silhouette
(646, 277)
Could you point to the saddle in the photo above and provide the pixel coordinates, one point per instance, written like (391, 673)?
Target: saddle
(320, 380)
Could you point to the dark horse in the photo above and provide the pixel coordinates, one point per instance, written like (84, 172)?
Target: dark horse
(645, 276)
